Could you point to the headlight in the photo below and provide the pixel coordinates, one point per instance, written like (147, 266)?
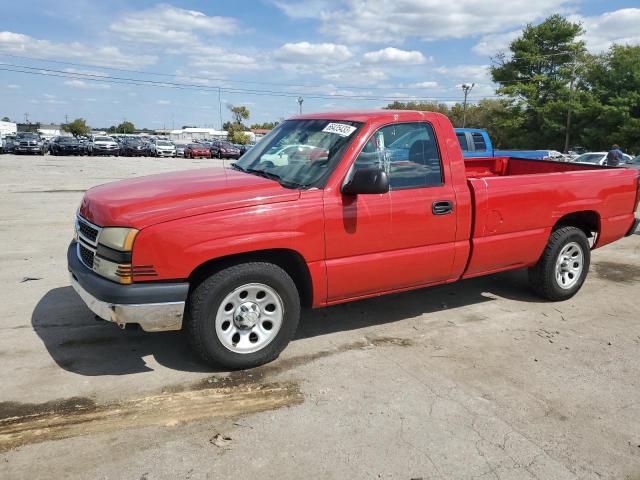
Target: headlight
(118, 238)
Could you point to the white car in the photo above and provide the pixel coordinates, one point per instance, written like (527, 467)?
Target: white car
(280, 155)
(162, 148)
(598, 158)
(103, 145)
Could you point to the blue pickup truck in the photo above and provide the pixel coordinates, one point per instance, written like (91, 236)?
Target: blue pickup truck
(475, 143)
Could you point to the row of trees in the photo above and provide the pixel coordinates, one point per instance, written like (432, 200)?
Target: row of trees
(554, 94)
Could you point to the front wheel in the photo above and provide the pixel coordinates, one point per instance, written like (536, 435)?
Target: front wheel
(243, 316)
(563, 266)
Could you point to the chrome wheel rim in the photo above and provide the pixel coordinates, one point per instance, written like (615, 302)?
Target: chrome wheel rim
(249, 318)
(569, 265)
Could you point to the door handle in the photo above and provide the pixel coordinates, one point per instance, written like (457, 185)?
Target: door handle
(442, 207)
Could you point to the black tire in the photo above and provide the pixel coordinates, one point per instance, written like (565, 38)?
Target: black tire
(204, 301)
(542, 275)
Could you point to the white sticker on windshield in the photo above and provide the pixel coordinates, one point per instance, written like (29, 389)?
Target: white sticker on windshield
(341, 129)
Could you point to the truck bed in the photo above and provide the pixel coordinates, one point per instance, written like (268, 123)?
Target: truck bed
(510, 166)
(517, 202)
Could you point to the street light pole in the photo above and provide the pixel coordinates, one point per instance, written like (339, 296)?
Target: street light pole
(466, 88)
(300, 100)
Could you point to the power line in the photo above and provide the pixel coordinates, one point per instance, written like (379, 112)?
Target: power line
(187, 86)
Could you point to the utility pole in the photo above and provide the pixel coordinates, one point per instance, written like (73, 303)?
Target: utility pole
(220, 108)
(66, 119)
(573, 78)
(300, 100)
(466, 88)
(26, 118)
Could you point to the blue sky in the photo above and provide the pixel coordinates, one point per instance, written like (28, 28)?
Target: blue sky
(336, 54)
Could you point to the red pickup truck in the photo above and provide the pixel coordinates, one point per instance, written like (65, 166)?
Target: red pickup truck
(330, 208)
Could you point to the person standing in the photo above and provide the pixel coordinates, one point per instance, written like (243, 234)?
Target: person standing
(614, 157)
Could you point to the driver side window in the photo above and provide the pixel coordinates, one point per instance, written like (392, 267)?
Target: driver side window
(407, 152)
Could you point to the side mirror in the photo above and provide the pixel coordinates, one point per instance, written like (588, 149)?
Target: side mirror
(366, 181)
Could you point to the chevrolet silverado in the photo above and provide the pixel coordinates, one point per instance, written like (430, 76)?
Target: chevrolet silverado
(361, 204)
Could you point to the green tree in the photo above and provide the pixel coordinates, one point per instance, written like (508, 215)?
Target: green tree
(236, 133)
(610, 108)
(126, 127)
(265, 125)
(239, 113)
(77, 128)
(536, 77)
(6, 119)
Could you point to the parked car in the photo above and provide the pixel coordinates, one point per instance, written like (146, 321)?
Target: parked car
(283, 155)
(222, 149)
(633, 163)
(598, 158)
(476, 143)
(133, 147)
(65, 146)
(196, 150)
(162, 148)
(180, 149)
(103, 145)
(27, 142)
(242, 249)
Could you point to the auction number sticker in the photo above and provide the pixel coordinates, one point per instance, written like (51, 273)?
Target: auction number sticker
(341, 129)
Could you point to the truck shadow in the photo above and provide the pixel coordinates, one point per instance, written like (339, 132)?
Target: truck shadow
(79, 343)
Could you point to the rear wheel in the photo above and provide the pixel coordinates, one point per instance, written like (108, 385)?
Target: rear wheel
(243, 316)
(563, 266)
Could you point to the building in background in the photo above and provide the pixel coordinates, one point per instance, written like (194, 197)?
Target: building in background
(50, 130)
(191, 134)
(8, 128)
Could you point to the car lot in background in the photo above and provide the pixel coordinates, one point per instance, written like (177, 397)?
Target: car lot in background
(598, 158)
(196, 150)
(180, 149)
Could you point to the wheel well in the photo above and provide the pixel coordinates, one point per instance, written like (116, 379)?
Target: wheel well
(588, 221)
(289, 260)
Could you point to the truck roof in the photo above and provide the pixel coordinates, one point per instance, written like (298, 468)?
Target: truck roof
(369, 115)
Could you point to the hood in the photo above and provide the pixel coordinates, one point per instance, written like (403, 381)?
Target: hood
(145, 201)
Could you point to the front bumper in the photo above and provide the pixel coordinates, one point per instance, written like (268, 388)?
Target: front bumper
(166, 153)
(106, 150)
(633, 228)
(154, 306)
(27, 149)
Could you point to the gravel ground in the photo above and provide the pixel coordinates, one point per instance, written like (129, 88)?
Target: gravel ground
(479, 379)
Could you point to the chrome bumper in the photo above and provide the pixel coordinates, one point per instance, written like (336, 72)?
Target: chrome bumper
(152, 317)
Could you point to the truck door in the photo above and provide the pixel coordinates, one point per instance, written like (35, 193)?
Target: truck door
(400, 239)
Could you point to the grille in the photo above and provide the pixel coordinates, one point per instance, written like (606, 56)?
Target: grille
(87, 230)
(86, 255)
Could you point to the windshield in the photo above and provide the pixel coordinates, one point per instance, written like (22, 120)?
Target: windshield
(103, 139)
(589, 158)
(66, 140)
(300, 153)
(28, 136)
(164, 143)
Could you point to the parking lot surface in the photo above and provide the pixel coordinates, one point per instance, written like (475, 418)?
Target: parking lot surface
(478, 379)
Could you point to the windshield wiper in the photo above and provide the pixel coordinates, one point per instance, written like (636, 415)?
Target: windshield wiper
(272, 176)
(237, 167)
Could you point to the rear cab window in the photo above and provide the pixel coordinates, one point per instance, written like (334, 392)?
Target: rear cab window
(478, 142)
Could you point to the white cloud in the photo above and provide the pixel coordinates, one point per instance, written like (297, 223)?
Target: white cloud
(495, 43)
(20, 44)
(465, 73)
(619, 26)
(216, 58)
(75, 83)
(356, 76)
(168, 25)
(306, 9)
(425, 85)
(13, 86)
(319, 53)
(392, 21)
(163, 102)
(395, 55)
